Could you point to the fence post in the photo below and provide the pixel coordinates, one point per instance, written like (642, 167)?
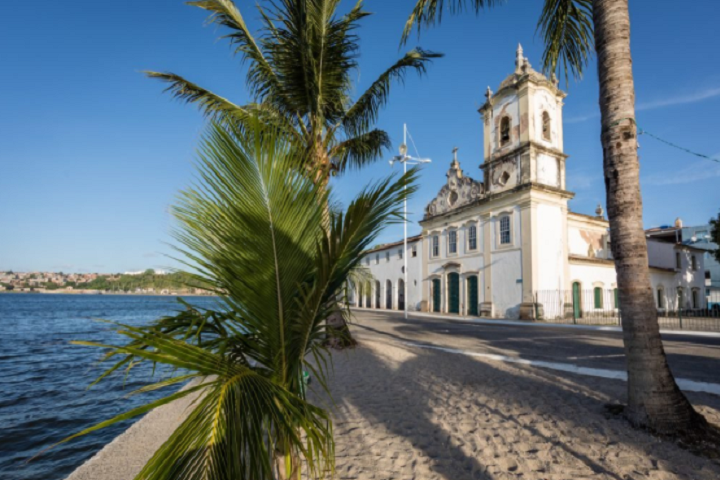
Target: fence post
(680, 317)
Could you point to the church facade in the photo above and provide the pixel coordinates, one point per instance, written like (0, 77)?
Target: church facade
(503, 246)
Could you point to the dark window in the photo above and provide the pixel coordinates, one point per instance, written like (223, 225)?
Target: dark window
(694, 262)
(435, 246)
(414, 250)
(452, 245)
(546, 125)
(505, 230)
(400, 253)
(472, 237)
(504, 130)
(660, 298)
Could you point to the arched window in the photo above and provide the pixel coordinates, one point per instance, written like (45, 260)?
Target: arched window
(695, 298)
(660, 298)
(452, 241)
(505, 233)
(504, 130)
(546, 126)
(435, 250)
(693, 261)
(598, 291)
(472, 237)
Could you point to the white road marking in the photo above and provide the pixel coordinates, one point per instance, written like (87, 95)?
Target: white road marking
(683, 383)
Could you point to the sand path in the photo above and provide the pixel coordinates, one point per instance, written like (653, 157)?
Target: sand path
(408, 413)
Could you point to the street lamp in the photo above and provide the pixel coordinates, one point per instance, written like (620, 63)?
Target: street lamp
(404, 158)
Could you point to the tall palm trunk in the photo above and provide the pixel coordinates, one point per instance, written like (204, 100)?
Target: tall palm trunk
(654, 399)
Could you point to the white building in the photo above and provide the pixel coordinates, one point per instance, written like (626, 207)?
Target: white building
(508, 245)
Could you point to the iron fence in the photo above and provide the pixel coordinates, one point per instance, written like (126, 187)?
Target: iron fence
(600, 307)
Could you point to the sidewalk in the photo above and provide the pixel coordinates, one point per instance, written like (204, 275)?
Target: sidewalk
(527, 323)
(404, 412)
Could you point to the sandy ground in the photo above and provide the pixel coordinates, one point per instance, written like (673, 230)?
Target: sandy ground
(408, 413)
(402, 412)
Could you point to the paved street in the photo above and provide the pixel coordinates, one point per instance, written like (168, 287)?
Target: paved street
(691, 357)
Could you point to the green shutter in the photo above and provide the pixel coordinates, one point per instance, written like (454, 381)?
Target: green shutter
(617, 299)
(472, 285)
(598, 297)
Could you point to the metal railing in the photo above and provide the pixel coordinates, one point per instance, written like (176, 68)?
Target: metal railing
(600, 307)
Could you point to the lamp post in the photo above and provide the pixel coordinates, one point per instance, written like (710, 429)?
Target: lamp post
(404, 158)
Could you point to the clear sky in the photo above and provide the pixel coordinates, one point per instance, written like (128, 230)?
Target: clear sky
(92, 153)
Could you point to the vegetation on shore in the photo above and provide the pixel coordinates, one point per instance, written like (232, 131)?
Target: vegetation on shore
(147, 282)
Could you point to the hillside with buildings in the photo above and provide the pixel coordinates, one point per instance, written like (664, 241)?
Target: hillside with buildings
(148, 282)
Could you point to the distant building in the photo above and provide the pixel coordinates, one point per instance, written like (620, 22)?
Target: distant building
(698, 237)
(508, 245)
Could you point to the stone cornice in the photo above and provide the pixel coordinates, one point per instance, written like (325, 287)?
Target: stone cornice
(500, 195)
(522, 148)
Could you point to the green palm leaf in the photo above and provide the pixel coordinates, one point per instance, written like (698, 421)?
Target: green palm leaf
(255, 228)
(567, 30)
(300, 69)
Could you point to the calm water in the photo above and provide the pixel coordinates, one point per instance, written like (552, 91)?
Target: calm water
(44, 379)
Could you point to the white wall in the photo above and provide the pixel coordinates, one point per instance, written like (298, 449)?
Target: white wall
(550, 248)
(392, 270)
(506, 265)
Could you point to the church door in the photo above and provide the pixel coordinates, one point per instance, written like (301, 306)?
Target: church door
(436, 294)
(577, 303)
(454, 293)
(472, 288)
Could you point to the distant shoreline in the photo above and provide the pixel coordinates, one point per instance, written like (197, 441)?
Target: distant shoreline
(100, 292)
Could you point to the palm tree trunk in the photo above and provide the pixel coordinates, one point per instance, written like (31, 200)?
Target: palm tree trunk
(654, 399)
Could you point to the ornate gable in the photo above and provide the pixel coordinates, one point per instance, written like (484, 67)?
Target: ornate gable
(458, 191)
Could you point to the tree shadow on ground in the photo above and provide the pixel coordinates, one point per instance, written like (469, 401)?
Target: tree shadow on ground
(472, 419)
(698, 359)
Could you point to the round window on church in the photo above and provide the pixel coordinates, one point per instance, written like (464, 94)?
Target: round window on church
(452, 198)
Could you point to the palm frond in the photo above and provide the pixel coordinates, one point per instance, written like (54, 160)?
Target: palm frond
(210, 104)
(427, 13)
(261, 76)
(364, 111)
(359, 151)
(566, 27)
(313, 52)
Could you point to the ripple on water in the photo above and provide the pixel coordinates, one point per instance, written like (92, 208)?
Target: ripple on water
(44, 379)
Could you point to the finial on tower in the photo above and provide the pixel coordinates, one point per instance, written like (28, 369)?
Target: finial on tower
(599, 212)
(488, 93)
(519, 59)
(455, 163)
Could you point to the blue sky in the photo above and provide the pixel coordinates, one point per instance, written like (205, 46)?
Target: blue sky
(92, 153)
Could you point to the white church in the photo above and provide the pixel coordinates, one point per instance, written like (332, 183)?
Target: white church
(508, 246)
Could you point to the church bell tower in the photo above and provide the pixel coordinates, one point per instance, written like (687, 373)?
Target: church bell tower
(523, 131)
(524, 174)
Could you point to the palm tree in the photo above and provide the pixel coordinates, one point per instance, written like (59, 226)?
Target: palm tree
(300, 70)
(256, 232)
(715, 236)
(568, 28)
